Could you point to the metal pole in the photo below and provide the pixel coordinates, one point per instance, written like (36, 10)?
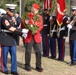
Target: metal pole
(20, 8)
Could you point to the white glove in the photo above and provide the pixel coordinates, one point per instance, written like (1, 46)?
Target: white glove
(24, 35)
(53, 30)
(25, 31)
(69, 26)
(64, 37)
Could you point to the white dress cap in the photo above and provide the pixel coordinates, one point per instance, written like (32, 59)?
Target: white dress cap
(11, 6)
(73, 7)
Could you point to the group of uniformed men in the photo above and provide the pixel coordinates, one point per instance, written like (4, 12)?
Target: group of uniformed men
(59, 34)
(53, 32)
(50, 33)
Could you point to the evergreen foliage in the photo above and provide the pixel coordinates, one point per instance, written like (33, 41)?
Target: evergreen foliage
(28, 4)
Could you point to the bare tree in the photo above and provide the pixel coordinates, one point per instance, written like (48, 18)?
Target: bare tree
(22, 7)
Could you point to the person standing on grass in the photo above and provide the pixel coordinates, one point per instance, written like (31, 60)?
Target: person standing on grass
(18, 19)
(72, 37)
(61, 35)
(34, 39)
(53, 36)
(7, 40)
(45, 33)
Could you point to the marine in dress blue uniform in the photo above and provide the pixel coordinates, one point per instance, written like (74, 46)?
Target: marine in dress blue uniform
(72, 38)
(53, 36)
(7, 39)
(61, 34)
(45, 33)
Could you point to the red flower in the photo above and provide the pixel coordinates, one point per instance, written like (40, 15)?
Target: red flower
(30, 15)
(31, 21)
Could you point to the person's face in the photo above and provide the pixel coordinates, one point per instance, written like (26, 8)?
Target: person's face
(16, 15)
(46, 12)
(74, 12)
(34, 10)
(9, 12)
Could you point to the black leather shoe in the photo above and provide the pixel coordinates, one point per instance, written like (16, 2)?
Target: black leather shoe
(14, 73)
(73, 63)
(52, 57)
(27, 68)
(6, 72)
(39, 69)
(62, 60)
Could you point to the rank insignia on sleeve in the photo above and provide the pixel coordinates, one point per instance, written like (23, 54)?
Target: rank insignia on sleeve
(7, 23)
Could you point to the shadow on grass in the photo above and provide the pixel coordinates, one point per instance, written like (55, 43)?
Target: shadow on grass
(19, 64)
(56, 59)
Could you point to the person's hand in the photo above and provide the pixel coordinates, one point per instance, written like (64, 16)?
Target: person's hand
(64, 37)
(13, 19)
(24, 35)
(25, 31)
(69, 26)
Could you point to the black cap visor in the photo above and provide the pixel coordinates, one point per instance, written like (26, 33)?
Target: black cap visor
(11, 10)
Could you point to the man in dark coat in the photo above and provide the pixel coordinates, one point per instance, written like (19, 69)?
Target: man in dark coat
(45, 33)
(72, 38)
(7, 39)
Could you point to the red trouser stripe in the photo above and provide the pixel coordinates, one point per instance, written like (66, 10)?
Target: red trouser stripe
(1, 60)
